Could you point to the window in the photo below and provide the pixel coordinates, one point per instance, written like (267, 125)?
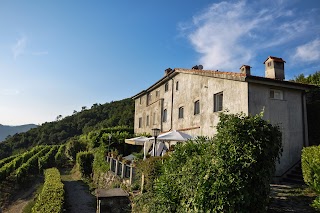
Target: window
(140, 100)
(269, 64)
(140, 122)
(147, 120)
(197, 107)
(166, 87)
(148, 98)
(164, 116)
(177, 85)
(157, 93)
(276, 94)
(154, 118)
(218, 102)
(181, 112)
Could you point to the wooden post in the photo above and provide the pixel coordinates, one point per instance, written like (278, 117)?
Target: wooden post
(142, 182)
(116, 170)
(111, 164)
(131, 175)
(122, 170)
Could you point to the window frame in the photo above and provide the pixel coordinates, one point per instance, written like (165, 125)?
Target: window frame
(181, 112)
(274, 92)
(166, 87)
(218, 102)
(196, 110)
(164, 115)
(147, 120)
(177, 85)
(140, 122)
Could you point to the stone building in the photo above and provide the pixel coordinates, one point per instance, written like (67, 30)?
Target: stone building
(190, 100)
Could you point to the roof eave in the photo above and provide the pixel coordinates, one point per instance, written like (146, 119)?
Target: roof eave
(279, 83)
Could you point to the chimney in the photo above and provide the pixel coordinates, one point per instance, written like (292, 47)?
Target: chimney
(274, 68)
(245, 69)
(167, 71)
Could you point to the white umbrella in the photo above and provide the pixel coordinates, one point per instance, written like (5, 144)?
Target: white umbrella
(174, 136)
(136, 141)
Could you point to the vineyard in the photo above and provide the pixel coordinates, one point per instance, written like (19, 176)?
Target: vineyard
(24, 166)
(22, 170)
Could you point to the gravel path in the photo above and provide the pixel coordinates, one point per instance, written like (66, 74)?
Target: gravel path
(78, 197)
(291, 198)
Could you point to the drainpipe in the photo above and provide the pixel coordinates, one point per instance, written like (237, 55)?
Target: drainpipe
(161, 114)
(172, 102)
(304, 120)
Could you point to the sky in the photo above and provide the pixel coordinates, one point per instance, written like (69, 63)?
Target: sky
(58, 56)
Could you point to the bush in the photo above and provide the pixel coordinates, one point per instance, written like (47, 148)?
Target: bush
(51, 198)
(310, 161)
(230, 173)
(84, 162)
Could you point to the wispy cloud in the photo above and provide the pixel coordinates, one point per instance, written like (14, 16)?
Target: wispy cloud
(40, 53)
(19, 47)
(234, 32)
(308, 52)
(9, 92)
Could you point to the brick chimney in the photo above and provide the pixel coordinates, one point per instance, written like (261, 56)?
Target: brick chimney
(245, 69)
(274, 68)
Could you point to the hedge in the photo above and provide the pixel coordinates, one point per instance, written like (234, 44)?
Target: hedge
(229, 173)
(310, 162)
(51, 198)
(84, 162)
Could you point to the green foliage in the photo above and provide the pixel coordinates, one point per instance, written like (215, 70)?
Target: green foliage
(8, 168)
(60, 156)
(51, 198)
(229, 173)
(310, 162)
(47, 160)
(151, 169)
(58, 132)
(74, 146)
(84, 162)
(7, 160)
(31, 166)
(310, 79)
(100, 165)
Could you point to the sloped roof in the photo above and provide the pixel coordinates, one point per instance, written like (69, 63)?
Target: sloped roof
(235, 76)
(275, 59)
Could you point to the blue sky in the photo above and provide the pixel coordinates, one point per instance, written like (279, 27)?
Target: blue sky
(57, 56)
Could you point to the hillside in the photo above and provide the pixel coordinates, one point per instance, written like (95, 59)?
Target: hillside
(11, 130)
(98, 116)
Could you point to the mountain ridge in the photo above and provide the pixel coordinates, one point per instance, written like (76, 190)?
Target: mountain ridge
(6, 130)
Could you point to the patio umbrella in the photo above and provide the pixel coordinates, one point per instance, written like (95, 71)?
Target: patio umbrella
(174, 136)
(136, 141)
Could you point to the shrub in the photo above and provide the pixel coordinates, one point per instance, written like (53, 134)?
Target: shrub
(51, 198)
(84, 162)
(310, 161)
(229, 173)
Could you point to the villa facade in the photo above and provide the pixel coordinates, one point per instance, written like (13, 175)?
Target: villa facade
(190, 100)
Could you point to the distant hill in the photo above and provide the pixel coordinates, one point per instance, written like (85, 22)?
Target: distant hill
(115, 113)
(5, 130)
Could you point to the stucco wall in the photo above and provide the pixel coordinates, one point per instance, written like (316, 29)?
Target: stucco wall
(192, 88)
(287, 113)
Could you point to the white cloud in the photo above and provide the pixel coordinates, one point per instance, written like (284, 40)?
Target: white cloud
(229, 34)
(9, 92)
(19, 47)
(308, 52)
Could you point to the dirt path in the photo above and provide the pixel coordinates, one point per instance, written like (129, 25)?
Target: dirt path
(78, 197)
(23, 197)
(291, 198)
